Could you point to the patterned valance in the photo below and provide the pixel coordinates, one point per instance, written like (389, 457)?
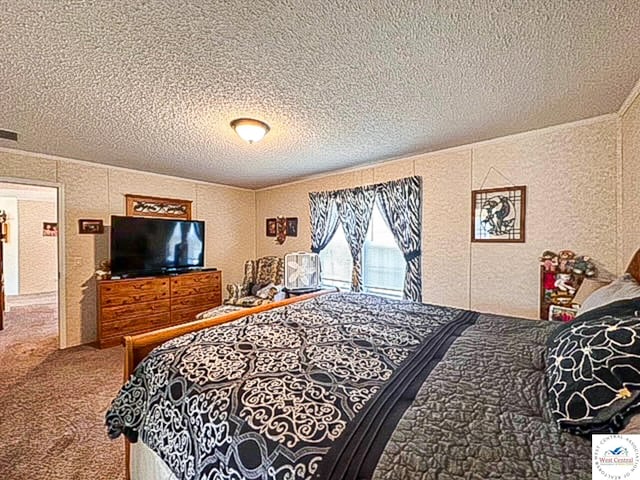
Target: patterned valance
(400, 202)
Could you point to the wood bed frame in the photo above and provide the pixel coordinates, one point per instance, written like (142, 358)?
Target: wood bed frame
(634, 266)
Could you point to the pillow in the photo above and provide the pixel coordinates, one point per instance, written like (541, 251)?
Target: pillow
(265, 291)
(593, 369)
(587, 287)
(621, 288)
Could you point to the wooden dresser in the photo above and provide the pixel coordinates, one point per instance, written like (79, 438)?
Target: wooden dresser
(137, 305)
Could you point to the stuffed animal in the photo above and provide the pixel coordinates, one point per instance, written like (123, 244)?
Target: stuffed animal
(583, 265)
(104, 270)
(566, 260)
(563, 283)
(549, 260)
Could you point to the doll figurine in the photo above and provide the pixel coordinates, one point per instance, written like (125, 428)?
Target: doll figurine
(563, 283)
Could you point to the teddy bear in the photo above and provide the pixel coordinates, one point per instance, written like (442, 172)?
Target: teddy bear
(566, 261)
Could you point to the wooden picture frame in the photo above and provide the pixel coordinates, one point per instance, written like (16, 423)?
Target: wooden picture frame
(292, 226)
(498, 215)
(144, 206)
(91, 227)
(562, 314)
(49, 229)
(271, 227)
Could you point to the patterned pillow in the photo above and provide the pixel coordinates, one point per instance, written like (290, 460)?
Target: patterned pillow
(593, 369)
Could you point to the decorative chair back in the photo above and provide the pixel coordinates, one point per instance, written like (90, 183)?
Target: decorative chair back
(269, 269)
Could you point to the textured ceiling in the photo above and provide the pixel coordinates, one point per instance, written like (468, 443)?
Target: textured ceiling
(153, 85)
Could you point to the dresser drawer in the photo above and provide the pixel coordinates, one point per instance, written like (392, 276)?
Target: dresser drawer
(195, 284)
(133, 291)
(110, 314)
(204, 300)
(131, 326)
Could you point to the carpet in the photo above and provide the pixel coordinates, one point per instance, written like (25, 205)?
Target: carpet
(52, 402)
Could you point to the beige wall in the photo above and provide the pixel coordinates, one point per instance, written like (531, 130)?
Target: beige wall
(570, 174)
(630, 208)
(98, 192)
(38, 255)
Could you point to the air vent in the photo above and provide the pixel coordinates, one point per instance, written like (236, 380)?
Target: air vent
(6, 134)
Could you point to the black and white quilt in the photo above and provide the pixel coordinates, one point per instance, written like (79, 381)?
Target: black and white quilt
(267, 396)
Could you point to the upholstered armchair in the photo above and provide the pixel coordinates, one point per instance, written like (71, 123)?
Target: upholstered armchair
(263, 283)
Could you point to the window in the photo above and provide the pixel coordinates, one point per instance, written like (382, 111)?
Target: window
(335, 260)
(383, 265)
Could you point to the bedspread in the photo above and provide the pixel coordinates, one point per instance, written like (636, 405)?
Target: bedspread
(267, 396)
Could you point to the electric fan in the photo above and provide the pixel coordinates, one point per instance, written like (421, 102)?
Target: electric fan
(301, 272)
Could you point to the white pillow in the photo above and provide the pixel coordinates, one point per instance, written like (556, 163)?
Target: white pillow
(622, 288)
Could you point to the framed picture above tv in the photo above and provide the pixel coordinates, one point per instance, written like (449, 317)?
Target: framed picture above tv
(144, 206)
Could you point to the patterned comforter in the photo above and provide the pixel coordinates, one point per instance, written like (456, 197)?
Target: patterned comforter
(349, 386)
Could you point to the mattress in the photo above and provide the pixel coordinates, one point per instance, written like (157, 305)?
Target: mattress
(350, 386)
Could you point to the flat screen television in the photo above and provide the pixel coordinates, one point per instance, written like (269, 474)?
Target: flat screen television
(151, 246)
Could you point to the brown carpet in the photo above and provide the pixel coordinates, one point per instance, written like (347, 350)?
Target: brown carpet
(52, 403)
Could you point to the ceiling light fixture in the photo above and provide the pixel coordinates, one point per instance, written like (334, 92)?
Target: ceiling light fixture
(250, 130)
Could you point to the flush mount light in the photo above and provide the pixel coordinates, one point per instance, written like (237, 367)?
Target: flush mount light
(250, 130)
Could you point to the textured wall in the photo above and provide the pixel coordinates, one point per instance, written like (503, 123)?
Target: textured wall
(570, 173)
(630, 123)
(98, 192)
(38, 255)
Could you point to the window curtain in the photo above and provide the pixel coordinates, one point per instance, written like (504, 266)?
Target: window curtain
(400, 202)
(354, 209)
(324, 219)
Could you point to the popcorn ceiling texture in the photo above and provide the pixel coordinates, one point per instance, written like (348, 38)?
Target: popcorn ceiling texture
(153, 85)
(98, 192)
(570, 174)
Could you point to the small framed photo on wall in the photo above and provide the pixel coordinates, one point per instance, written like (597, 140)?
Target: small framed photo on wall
(292, 226)
(49, 229)
(272, 227)
(90, 226)
(498, 214)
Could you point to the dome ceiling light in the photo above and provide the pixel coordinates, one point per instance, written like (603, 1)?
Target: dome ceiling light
(249, 129)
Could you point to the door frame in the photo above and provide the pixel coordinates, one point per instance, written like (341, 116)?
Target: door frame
(62, 310)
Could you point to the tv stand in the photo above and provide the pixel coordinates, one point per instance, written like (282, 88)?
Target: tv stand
(130, 306)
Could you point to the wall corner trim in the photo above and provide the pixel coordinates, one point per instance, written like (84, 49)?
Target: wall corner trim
(635, 92)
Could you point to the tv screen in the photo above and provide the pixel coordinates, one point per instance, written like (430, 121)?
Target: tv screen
(151, 246)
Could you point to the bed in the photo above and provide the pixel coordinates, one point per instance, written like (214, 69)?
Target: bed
(346, 386)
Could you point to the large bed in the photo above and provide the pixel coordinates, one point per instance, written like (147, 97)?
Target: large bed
(347, 386)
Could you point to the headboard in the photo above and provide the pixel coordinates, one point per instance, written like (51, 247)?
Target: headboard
(634, 266)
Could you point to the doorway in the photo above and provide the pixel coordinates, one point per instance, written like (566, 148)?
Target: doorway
(29, 265)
